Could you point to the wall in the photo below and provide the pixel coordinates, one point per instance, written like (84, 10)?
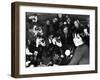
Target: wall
(5, 40)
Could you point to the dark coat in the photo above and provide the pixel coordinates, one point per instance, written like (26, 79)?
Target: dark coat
(81, 55)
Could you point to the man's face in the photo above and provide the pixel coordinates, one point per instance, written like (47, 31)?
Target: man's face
(37, 30)
(65, 30)
(35, 53)
(55, 20)
(33, 18)
(48, 22)
(59, 15)
(42, 42)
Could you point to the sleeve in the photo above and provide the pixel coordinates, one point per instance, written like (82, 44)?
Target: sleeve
(78, 55)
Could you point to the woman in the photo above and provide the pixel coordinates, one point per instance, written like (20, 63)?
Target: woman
(81, 55)
(67, 45)
(66, 39)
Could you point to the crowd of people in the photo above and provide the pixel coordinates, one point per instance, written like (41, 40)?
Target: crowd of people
(57, 41)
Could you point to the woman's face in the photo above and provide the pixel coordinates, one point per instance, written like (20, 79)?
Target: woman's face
(77, 40)
(76, 24)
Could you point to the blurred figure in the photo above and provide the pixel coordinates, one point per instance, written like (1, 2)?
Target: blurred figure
(48, 28)
(55, 24)
(32, 33)
(78, 27)
(40, 41)
(33, 18)
(37, 30)
(66, 39)
(81, 54)
(34, 59)
(60, 21)
(76, 24)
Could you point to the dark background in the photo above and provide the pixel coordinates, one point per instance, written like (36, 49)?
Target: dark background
(84, 19)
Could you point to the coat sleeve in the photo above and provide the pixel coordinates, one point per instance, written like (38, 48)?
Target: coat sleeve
(79, 53)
